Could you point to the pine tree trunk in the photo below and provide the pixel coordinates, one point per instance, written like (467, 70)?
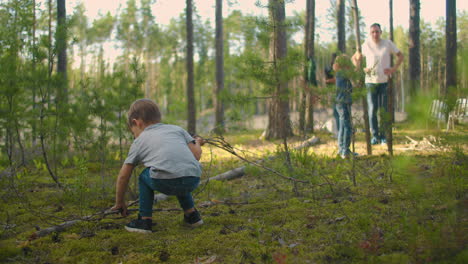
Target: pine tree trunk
(390, 92)
(279, 124)
(364, 101)
(34, 64)
(451, 46)
(309, 54)
(341, 21)
(191, 115)
(414, 46)
(219, 106)
(62, 50)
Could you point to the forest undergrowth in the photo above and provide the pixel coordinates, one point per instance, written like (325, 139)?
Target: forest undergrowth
(409, 208)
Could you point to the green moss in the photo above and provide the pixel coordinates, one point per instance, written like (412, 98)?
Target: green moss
(9, 250)
(405, 209)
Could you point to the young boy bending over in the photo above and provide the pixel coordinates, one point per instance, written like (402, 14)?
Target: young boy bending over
(170, 156)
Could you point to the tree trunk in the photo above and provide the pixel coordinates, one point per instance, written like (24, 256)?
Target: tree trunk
(341, 21)
(451, 46)
(279, 124)
(62, 50)
(364, 101)
(191, 115)
(34, 62)
(50, 55)
(219, 106)
(391, 84)
(309, 40)
(390, 93)
(414, 45)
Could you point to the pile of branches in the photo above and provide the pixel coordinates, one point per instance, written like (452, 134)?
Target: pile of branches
(429, 143)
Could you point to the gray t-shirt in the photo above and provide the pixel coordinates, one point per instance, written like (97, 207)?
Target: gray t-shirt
(164, 148)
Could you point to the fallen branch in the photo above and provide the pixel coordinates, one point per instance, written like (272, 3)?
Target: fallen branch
(228, 175)
(240, 171)
(60, 227)
(412, 140)
(424, 144)
(101, 215)
(222, 144)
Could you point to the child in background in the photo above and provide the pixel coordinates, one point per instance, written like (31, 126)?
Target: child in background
(344, 69)
(330, 80)
(171, 157)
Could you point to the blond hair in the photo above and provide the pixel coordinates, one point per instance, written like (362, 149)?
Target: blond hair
(144, 109)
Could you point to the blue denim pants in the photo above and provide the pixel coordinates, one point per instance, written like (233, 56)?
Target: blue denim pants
(344, 130)
(377, 100)
(337, 119)
(182, 188)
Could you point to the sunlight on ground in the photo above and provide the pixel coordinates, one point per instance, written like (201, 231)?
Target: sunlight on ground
(421, 142)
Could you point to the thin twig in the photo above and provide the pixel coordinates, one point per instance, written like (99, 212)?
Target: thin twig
(222, 144)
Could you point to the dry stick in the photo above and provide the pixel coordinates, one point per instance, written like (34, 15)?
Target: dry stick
(220, 143)
(237, 172)
(64, 225)
(100, 215)
(240, 171)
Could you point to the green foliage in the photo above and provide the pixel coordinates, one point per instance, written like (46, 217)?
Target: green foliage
(404, 209)
(412, 216)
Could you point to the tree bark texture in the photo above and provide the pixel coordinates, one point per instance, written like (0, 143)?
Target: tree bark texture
(191, 115)
(279, 124)
(390, 93)
(364, 101)
(414, 46)
(219, 106)
(451, 46)
(62, 49)
(310, 53)
(309, 40)
(341, 21)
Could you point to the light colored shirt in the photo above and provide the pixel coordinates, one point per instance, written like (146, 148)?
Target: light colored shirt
(378, 59)
(164, 149)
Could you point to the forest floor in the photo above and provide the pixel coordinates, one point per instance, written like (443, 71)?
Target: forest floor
(411, 207)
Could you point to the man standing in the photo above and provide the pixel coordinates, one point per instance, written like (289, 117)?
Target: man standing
(377, 52)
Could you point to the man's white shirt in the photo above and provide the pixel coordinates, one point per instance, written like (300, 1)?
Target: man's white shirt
(378, 59)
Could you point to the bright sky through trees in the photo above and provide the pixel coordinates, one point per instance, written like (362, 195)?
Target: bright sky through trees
(372, 11)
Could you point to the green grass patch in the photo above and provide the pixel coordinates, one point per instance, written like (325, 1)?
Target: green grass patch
(410, 208)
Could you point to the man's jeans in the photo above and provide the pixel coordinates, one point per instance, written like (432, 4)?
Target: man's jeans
(377, 100)
(345, 129)
(180, 187)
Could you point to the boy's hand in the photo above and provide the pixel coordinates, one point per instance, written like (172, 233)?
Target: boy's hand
(199, 140)
(122, 208)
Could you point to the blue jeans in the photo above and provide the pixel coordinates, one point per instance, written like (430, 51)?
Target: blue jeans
(345, 130)
(377, 100)
(337, 118)
(182, 188)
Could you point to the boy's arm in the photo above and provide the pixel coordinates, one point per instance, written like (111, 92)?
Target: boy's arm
(121, 187)
(196, 147)
(330, 80)
(357, 59)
